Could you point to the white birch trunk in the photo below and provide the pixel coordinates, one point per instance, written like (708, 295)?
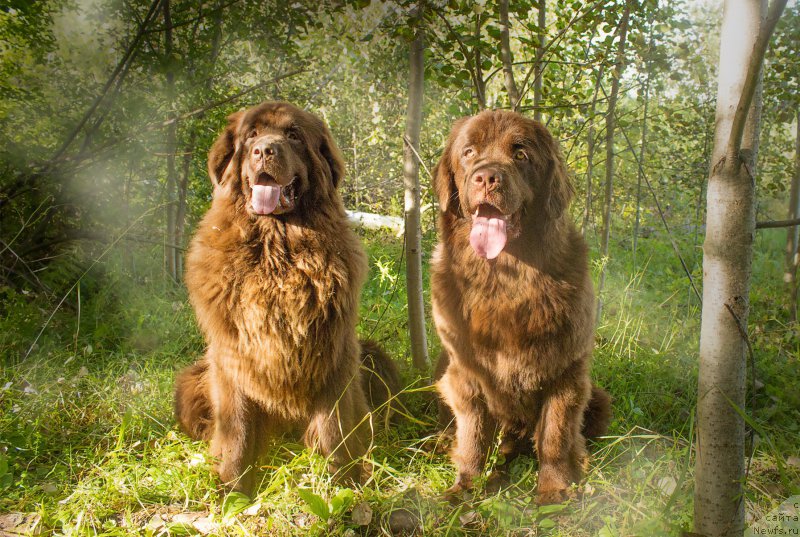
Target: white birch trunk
(727, 260)
(416, 309)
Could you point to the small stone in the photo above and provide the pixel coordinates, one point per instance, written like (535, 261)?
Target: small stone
(403, 522)
(362, 514)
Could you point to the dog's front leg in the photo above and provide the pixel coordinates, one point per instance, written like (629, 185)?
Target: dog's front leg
(340, 430)
(475, 428)
(560, 445)
(233, 441)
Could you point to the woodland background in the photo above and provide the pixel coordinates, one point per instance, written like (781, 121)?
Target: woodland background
(108, 108)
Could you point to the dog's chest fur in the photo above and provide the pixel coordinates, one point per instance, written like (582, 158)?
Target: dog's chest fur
(522, 323)
(285, 297)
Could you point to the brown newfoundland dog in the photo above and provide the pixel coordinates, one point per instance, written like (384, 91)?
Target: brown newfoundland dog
(513, 303)
(274, 274)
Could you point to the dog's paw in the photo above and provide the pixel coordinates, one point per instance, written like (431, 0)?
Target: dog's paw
(552, 496)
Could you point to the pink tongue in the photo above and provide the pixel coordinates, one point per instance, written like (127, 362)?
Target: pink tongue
(488, 236)
(265, 198)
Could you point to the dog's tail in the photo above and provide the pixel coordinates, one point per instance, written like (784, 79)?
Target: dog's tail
(192, 405)
(380, 378)
(597, 415)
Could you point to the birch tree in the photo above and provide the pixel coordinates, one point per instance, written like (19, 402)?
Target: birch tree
(171, 253)
(727, 259)
(507, 57)
(793, 232)
(413, 235)
(539, 69)
(610, 126)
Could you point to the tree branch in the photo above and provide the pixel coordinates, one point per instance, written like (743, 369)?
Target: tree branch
(125, 58)
(233, 97)
(778, 223)
(751, 79)
(556, 39)
(198, 18)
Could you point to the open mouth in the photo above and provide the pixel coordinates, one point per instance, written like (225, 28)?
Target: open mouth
(269, 197)
(489, 231)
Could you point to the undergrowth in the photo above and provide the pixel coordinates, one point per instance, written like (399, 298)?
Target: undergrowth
(89, 446)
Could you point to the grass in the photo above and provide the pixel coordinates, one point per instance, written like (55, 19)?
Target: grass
(88, 444)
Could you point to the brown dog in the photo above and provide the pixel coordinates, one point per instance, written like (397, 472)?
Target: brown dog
(513, 302)
(274, 274)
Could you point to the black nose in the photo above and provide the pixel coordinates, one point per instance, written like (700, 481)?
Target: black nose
(265, 148)
(488, 178)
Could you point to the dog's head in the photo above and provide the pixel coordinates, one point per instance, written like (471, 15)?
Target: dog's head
(275, 158)
(497, 167)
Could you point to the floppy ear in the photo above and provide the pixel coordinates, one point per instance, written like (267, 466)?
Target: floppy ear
(444, 180)
(561, 188)
(330, 152)
(223, 150)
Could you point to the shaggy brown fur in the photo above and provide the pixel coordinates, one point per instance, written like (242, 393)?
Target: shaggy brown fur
(380, 378)
(274, 274)
(513, 302)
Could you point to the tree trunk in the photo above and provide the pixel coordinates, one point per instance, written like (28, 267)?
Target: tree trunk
(727, 259)
(642, 156)
(188, 155)
(539, 66)
(180, 214)
(480, 83)
(505, 54)
(587, 210)
(793, 233)
(619, 67)
(170, 253)
(413, 235)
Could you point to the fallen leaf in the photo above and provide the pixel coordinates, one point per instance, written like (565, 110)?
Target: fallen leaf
(667, 485)
(205, 525)
(468, 518)
(13, 524)
(252, 510)
(156, 523)
(187, 518)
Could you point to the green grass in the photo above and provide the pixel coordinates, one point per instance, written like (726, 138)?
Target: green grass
(88, 444)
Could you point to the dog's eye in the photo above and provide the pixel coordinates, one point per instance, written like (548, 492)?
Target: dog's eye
(252, 134)
(468, 152)
(292, 133)
(520, 154)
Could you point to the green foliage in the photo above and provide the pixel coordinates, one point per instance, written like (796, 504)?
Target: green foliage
(87, 438)
(234, 503)
(92, 329)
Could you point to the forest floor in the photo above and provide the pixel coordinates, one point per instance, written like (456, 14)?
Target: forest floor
(89, 445)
